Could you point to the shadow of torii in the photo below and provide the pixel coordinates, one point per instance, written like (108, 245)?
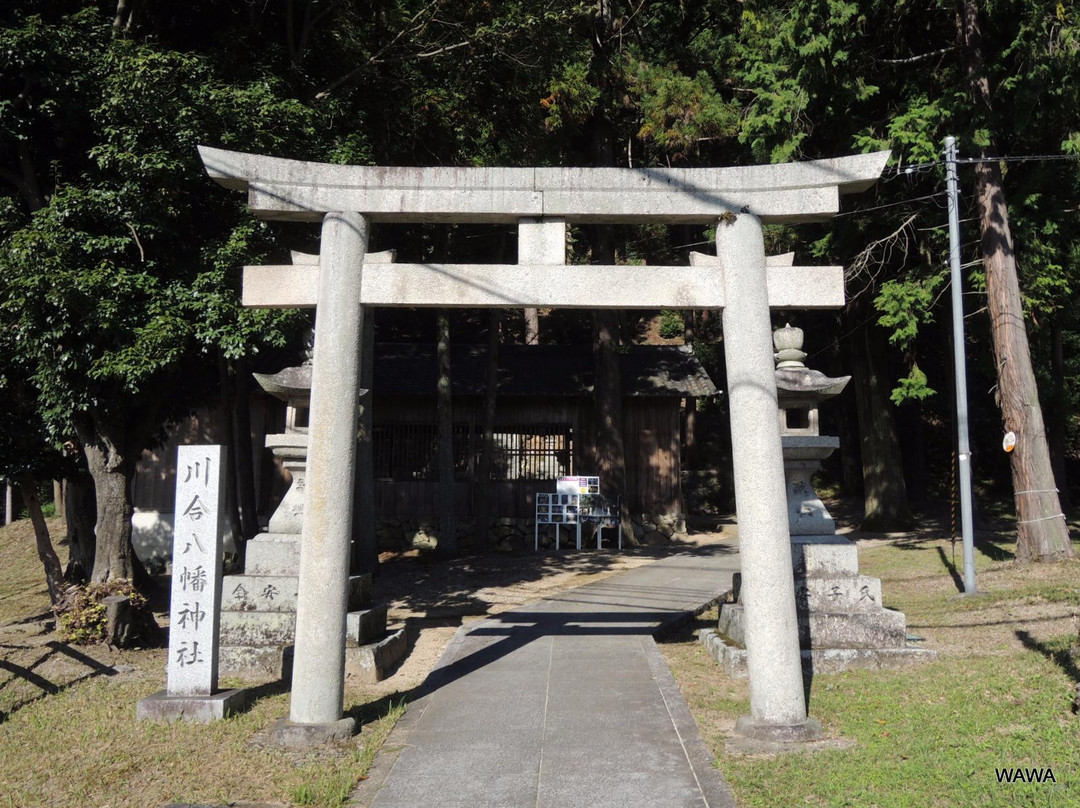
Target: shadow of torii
(44, 685)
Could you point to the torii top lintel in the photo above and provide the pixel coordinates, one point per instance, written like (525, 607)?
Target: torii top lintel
(297, 190)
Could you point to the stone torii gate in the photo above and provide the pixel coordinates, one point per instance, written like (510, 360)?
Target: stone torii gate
(346, 200)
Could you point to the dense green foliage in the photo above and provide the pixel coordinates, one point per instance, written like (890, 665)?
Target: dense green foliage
(120, 260)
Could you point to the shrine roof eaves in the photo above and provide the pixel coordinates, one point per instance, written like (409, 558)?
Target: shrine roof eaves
(663, 371)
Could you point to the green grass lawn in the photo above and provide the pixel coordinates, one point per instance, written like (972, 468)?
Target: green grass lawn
(84, 747)
(68, 734)
(932, 737)
(999, 696)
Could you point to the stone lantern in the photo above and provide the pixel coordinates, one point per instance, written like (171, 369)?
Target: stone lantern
(258, 611)
(842, 623)
(800, 391)
(293, 386)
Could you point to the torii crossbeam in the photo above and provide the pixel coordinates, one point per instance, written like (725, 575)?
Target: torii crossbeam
(739, 279)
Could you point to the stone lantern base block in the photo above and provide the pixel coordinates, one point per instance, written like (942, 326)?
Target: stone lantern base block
(273, 554)
(884, 628)
(195, 709)
(287, 733)
(824, 555)
(264, 664)
(365, 625)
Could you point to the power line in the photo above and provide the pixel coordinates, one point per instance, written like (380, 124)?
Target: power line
(926, 198)
(1024, 158)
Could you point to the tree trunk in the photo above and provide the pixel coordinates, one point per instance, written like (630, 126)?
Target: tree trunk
(80, 512)
(1059, 413)
(232, 499)
(689, 442)
(884, 493)
(448, 544)
(245, 464)
(112, 470)
(532, 326)
(54, 576)
(365, 550)
(847, 429)
(607, 390)
(1042, 532)
(119, 623)
(58, 496)
(29, 187)
(610, 452)
(487, 446)
(125, 11)
(910, 419)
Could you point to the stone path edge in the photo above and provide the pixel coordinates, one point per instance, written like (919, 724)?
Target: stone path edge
(713, 786)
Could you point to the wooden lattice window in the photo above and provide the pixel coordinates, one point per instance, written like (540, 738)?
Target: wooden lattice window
(404, 451)
(407, 452)
(535, 452)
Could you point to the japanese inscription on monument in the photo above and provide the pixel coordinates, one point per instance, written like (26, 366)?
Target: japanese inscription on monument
(196, 580)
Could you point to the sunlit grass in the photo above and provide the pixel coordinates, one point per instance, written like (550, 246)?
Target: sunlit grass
(935, 734)
(76, 742)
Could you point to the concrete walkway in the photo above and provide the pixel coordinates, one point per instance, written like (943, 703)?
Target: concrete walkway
(562, 702)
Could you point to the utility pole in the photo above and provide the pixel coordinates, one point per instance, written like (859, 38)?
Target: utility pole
(963, 449)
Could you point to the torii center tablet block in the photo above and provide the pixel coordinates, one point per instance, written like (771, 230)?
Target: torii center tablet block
(740, 280)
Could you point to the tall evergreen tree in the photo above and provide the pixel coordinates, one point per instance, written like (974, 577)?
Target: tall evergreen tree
(1042, 533)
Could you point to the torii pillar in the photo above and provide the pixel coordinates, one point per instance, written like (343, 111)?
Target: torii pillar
(739, 280)
(777, 699)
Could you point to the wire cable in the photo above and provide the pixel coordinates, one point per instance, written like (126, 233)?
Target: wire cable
(912, 168)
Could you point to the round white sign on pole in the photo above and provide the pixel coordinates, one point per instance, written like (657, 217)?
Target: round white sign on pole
(1008, 443)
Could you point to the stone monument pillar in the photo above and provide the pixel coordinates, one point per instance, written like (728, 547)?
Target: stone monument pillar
(191, 691)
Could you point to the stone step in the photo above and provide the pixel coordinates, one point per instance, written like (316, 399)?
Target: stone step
(257, 629)
(824, 556)
(258, 593)
(883, 628)
(859, 593)
(826, 660)
(273, 554)
(372, 662)
(365, 626)
(277, 593)
(269, 662)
